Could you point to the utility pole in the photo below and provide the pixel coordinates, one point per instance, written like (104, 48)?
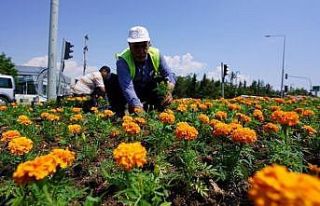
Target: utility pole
(52, 56)
(85, 50)
(222, 80)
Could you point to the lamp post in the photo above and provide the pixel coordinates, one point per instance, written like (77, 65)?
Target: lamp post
(283, 58)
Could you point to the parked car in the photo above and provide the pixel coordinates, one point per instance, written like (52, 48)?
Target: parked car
(7, 89)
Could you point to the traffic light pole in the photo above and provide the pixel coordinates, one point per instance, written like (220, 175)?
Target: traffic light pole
(222, 80)
(61, 65)
(52, 58)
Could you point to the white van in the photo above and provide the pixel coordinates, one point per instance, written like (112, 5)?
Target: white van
(7, 88)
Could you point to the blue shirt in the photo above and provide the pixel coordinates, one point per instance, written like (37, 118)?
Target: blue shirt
(144, 74)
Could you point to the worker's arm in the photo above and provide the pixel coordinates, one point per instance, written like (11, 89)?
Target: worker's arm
(167, 73)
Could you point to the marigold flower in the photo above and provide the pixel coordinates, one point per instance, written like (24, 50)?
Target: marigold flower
(310, 130)
(129, 155)
(64, 158)
(258, 115)
(275, 108)
(9, 135)
(23, 119)
(36, 169)
(74, 129)
(194, 107)
(221, 129)
(314, 169)
(244, 135)
(185, 131)
(131, 128)
(270, 127)
(234, 107)
(307, 113)
(114, 133)
(140, 120)
(76, 109)
(203, 118)
(285, 118)
(127, 118)
(20, 145)
(235, 125)
(203, 107)
(279, 100)
(275, 185)
(167, 118)
(49, 117)
(3, 108)
(213, 122)
(182, 108)
(220, 115)
(94, 109)
(243, 118)
(108, 113)
(299, 110)
(76, 118)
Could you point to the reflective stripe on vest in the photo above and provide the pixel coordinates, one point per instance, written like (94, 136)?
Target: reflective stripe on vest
(127, 56)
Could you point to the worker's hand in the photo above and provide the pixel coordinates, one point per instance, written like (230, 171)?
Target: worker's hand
(170, 87)
(135, 109)
(167, 99)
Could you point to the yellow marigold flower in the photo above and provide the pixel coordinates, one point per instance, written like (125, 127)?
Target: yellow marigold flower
(76, 118)
(76, 109)
(243, 118)
(36, 169)
(130, 155)
(52, 117)
(64, 158)
(307, 113)
(275, 108)
(203, 107)
(258, 106)
(258, 115)
(74, 129)
(194, 107)
(167, 118)
(275, 185)
(20, 145)
(131, 128)
(127, 118)
(203, 118)
(221, 129)
(59, 109)
(114, 133)
(108, 113)
(244, 135)
(213, 122)
(9, 135)
(220, 115)
(3, 108)
(13, 104)
(94, 109)
(309, 130)
(208, 104)
(182, 108)
(137, 110)
(185, 131)
(270, 127)
(235, 125)
(44, 115)
(23, 119)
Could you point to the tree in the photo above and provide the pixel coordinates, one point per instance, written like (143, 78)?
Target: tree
(6, 66)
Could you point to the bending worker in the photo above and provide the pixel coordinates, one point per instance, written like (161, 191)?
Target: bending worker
(140, 68)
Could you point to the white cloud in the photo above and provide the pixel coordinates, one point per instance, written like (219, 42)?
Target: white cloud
(72, 68)
(184, 65)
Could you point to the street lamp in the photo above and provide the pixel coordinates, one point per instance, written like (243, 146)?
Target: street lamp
(283, 57)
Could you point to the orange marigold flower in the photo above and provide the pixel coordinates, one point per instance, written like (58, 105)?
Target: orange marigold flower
(20, 145)
(74, 129)
(94, 109)
(279, 100)
(258, 115)
(36, 169)
(50, 117)
(185, 131)
(140, 120)
(243, 118)
(182, 108)
(76, 109)
(235, 125)
(9, 135)
(108, 113)
(307, 113)
(234, 107)
(114, 133)
(244, 135)
(221, 129)
(76, 118)
(44, 115)
(275, 185)
(270, 127)
(131, 128)
(213, 122)
(167, 118)
(203, 107)
(64, 158)
(220, 115)
(130, 155)
(299, 110)
(203, 118)
(310, 130)
(314, 169)
(3, 108)
(285, 118)
(275, 108)
(23, 119)
(194, 107)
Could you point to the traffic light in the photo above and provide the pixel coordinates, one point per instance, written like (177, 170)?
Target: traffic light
(225, 70)
(68, 51)
(286, 76)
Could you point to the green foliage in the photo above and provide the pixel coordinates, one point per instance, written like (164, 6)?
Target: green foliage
(6, 66)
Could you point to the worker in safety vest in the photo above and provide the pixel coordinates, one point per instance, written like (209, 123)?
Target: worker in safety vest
(141, 68)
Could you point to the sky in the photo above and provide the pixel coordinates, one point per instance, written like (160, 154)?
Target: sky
(195, 36)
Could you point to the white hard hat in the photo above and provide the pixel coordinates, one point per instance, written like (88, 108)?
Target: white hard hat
(138, 34)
